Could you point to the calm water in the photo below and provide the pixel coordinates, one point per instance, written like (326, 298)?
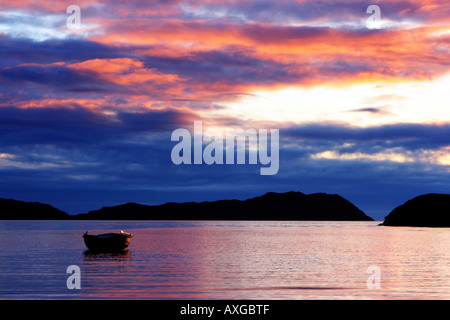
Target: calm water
(225, 260)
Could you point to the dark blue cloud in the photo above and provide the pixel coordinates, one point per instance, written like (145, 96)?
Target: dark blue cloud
(18, 50)
(411, 136)
(74, 124)
(59, 77)
(232, 66)
(65, 156)
(369, 110)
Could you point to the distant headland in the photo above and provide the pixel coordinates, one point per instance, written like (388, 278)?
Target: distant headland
(289, 206)
(20, 210)
(428, 210)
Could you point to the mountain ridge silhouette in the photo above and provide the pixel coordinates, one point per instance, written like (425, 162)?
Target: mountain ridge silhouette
(291, 205)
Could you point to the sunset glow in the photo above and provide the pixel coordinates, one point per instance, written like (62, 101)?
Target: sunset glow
(101, 100)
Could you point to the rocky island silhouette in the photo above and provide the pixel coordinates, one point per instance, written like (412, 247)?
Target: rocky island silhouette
(271, 206)
(429, 210)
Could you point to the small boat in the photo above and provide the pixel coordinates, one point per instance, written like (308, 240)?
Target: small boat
(107, 241)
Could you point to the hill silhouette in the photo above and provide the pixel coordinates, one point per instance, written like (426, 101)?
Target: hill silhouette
(271, 206)
(428, 210)
(20, 210)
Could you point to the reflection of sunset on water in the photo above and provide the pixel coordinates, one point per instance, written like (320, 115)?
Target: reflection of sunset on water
(245, 260)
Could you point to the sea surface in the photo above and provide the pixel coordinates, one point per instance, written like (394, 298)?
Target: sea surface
(226, 260)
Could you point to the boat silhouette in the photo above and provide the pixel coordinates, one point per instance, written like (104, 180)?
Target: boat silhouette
(107, 242)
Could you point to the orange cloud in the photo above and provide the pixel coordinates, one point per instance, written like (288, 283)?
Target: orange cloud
(254, 55)
(125, 71)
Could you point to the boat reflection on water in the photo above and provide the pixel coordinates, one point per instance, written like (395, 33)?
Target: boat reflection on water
(113, 256)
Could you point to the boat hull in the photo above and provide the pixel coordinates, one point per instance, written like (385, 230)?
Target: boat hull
(108, 241)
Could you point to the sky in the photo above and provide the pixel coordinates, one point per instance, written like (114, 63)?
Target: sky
(88, 102)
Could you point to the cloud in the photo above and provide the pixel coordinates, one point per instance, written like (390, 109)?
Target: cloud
(195, 59)
(369, 110)
(78, 126)
(408, 135)
(374, 111)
